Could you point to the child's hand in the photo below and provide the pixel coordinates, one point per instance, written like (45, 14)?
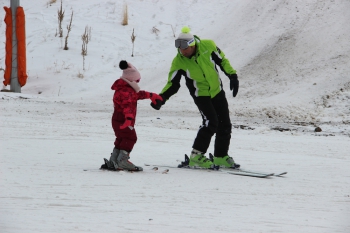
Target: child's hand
(127, 123)
(155, 98)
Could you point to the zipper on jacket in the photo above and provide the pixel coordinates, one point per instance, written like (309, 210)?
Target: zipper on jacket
(200, 67)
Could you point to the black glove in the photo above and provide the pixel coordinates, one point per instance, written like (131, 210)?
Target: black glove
(159, 103)
(234, 84)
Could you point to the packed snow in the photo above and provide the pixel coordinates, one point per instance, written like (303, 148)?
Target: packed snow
(293, 63)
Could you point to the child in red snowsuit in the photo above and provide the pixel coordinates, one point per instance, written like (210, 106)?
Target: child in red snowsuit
(127, 93)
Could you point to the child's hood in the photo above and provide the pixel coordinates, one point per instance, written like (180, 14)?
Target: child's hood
(123, 83)
(118, 84)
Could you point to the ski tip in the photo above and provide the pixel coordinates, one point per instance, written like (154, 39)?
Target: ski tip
(281, 174)
(266, 176)
(165, 171)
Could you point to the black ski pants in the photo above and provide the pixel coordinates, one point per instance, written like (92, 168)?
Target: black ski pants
(216, 120)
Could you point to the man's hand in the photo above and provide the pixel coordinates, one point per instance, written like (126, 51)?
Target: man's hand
(234, 84)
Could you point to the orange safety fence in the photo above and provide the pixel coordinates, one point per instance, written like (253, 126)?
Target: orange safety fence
(8, 46)
(21, 47)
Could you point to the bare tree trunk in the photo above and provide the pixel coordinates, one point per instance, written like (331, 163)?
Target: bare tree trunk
(69, 27)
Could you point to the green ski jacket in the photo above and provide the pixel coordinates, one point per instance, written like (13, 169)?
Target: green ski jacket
(200, 71)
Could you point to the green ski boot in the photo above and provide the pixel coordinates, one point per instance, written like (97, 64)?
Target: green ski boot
(225, 162)
(197, 159)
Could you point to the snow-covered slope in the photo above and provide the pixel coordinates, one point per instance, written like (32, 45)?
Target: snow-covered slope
(292, 59)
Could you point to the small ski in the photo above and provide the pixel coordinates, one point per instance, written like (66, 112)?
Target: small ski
(104, 167)
(107, 166)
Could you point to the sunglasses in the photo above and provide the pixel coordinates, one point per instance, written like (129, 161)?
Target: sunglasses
(183, 44)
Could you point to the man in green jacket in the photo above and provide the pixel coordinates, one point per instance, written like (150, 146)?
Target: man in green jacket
(197, 61)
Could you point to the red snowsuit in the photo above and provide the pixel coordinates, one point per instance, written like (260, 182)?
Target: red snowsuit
(125, 106)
